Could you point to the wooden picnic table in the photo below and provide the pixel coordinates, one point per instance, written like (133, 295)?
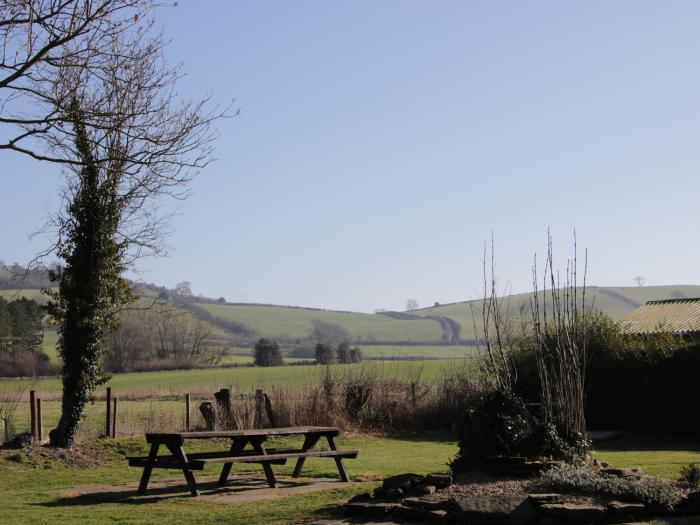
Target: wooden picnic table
(179, 459)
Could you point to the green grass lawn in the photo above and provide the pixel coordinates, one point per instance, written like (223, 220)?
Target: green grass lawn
(28, 496)
(656, 454)
(29, 489)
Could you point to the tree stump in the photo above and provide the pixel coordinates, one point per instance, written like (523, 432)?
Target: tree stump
(223, 407)
(209, 414)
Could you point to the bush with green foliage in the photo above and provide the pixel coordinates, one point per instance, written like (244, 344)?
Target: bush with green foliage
(498, 425)
(324, 354)
(501, 424)
(620, 369)
(267, 353)
(347, 355)
(654, 492)
(691, 475)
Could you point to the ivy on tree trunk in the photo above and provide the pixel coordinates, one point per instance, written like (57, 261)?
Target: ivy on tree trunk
(90, 285)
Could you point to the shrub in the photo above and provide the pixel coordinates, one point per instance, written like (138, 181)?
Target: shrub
(654, 492)
(324, 354)
(620, 368)
(691, 475)
(267, 353)
(18, 457)
(499, 424)
(347, 355)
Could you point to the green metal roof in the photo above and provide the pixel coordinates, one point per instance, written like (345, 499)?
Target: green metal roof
(680, 316)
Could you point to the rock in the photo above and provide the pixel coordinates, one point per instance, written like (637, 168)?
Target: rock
(544, 498)
(429, 504)
(441, 481)
(393, 494)
(622, 472)
(370, 509)
(378, 492)
(626, 510)
(574, 511)
(409, 513)
(504, 460)
(693, 496)
(515, 510)
(406, 487)
(356, 508)
(437, 516)
(380, 510)
(395, 482)
(424, 490)
(365, 496)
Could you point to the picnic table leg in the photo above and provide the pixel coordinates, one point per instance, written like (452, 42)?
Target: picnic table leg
(260, 449)
(338, 461)
(181, 456)
(309, 441)
(148, 468)
(237, 446)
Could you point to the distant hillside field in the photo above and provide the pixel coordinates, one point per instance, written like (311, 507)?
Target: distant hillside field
(385, 331)
(280, 321)
(614, 301)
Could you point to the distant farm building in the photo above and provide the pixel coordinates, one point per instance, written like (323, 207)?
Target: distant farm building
(680, 316)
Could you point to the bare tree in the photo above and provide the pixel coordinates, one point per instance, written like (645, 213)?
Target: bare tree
(411, 304)
(639, 280)
(42, 39)
(559, 318)
(127, 140)
(494, 328)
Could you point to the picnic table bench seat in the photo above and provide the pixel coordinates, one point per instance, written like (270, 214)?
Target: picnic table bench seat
(187, 462)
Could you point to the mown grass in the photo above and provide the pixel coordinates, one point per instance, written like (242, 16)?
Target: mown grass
(38, 491)
(29, 490)
(659, 455)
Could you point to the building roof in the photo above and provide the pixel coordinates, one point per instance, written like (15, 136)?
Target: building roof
(680, 316)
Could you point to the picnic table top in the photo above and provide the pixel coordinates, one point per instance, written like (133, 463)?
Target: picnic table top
(255, 432)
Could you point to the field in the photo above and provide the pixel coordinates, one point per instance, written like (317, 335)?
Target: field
(418, 351)
(179, 381)
(615, 301)
(276, 321)
(296, 323)
(36, 491)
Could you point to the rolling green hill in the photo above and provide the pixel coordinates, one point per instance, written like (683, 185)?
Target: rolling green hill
(614, 301)
(386, 331)
(293, 322)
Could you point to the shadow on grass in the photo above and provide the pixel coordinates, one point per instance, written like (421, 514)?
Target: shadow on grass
(649, 443)
(130, 496)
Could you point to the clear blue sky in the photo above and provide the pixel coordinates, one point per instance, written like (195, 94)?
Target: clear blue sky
(379, 143)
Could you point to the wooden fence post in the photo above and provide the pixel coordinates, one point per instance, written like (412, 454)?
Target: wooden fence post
(114, 419)
(187, 412)
(39, 422)
(258, 408)
(32, 413)
(108, 422)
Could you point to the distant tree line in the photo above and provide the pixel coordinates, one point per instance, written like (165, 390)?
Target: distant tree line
(343, 354)
(17, 276)
(21, 336)
(160, 337)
